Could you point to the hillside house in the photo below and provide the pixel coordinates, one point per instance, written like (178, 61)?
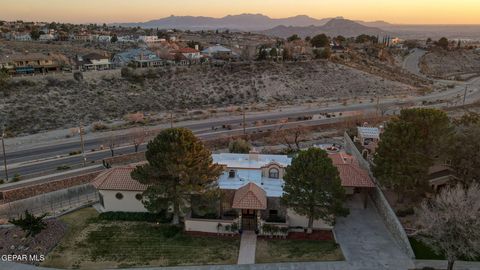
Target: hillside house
(93, 61)
(141, 58)
(190, 54)
(251, 184)
(218, 52)
(30, 63)
(47, 37)
(21, 37)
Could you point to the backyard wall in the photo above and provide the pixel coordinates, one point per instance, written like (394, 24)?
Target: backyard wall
(52, 203)
(383, 207)
(23, 192)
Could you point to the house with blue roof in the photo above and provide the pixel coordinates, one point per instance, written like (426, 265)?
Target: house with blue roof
(139, 57)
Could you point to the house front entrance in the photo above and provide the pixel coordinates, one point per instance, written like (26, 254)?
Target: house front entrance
(249, 220)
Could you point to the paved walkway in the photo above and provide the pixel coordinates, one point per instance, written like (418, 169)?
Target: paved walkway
(366, 242)
(248, 245)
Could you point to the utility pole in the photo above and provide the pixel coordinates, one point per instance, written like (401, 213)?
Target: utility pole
(4, 156)
(82, 144)
(465, 94)
(244, 122)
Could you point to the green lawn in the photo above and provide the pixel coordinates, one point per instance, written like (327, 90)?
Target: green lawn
(280, 250)
(111, 244)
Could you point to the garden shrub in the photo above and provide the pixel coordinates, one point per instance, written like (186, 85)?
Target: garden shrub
(405, 212)
(136, 216)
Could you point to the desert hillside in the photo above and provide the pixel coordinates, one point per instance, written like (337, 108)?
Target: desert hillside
(45, 103)
(442, 63)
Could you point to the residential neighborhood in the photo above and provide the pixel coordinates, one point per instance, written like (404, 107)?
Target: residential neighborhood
(194, 135)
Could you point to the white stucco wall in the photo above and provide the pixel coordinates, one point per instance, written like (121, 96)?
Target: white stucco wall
(294, 219)
(127, 204)
(205, 225)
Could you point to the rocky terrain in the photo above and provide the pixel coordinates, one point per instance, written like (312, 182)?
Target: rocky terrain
(443, 64)
(46, 103)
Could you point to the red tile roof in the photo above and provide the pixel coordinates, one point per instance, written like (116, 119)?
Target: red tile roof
(118, 179)
(354, 176)
(250, 196)
(350, 172)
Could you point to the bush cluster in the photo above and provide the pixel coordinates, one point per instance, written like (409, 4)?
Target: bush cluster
(136, 216)
(405, 212)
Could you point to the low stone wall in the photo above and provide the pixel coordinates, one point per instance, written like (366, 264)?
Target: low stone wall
(383, 207)
(206, 225)
(20, 193)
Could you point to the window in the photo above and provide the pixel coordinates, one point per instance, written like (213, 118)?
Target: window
(100, 197)
(138, 196)
(231, 174)
(119, 196)
(273, 212)
(273, 173)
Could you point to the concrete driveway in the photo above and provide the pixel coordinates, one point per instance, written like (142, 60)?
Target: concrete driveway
(365, 241)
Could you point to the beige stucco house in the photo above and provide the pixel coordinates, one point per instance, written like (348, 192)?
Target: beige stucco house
(251, 186)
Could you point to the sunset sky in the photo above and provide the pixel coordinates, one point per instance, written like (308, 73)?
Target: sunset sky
(395, 11)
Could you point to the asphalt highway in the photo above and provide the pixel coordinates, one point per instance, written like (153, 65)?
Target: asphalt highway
(47, 159)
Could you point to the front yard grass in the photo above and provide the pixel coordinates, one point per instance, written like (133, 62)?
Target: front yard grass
(111, 244)
(279, 250)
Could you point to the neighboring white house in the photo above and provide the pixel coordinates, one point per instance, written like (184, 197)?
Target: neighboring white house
(149, 39)
(104, 38)
(22, 37)
(252, 185)
(218, 52)
(368, 135)
(46, 37)
(93, 61)
(192, 55)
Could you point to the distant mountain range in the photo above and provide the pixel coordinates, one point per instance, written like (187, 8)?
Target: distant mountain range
(304, 25)
(333, 27)
(244, 22)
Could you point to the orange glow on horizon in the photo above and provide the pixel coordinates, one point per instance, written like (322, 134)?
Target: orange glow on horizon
(107, 11)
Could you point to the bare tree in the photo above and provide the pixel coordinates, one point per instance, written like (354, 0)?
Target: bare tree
(291, 138)
(111, 142)
(137, 137)
(450, 223)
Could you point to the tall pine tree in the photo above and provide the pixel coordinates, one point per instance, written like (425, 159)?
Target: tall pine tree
(178, 166)
(313, 187)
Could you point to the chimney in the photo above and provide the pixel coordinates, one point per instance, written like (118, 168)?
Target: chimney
(253, 154)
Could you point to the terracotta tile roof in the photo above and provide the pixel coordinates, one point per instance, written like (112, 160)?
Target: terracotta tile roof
(350, 172)
(342, 158)
(118, 179)
(354, 176)
(250, 196)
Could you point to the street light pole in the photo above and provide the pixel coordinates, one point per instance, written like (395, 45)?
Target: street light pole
(82, 145)
(4, 156)
(244, 122)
